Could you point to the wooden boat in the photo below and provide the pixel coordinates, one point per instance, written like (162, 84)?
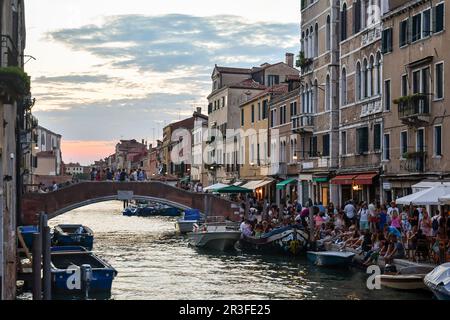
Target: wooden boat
(438, 281)
(73, 235)
(67, 277)
(290, 240)
(402, 281)
(331, 258)
(220, 237)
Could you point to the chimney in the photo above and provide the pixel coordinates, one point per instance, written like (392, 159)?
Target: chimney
(290, 59)
(199, 110)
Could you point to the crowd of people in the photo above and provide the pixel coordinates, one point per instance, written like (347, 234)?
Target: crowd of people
(120, 175)
(373, 230)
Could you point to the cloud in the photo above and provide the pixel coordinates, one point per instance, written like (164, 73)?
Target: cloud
(167, 42)
(74, 78)
(149, 71)
(116, 119)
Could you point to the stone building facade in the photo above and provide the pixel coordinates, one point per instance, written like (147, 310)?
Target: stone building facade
(416, 112)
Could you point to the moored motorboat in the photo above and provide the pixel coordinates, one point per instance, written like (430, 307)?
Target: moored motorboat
(402, 281)
(73, 235)
(290, 240)
(331, 258)
(80, 272)
(188, 220)
(219, 237)
(438, 281)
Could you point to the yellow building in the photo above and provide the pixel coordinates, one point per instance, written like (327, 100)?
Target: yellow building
(254, 148)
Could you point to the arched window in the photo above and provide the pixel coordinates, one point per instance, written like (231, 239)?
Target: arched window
(357, 16)
(365, 78)
(307, 98)
(378, 68)
(302, 42)
(344, 87)
(327, 93)
(328, 40)
(313, 97)
(344, 22)
(311, 42)
(358, 81)
(303, 100)
(307, 44)
(371, 77)
(316, 40)
(316, 97)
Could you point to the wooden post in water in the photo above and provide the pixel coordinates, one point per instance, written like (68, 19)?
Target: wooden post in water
(46, 254)
(37, 261)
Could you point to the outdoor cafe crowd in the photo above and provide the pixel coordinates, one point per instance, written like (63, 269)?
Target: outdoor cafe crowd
(373, 230)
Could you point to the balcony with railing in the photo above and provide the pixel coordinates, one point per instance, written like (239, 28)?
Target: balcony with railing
(414, 162)
(414, 110)
(303, 123)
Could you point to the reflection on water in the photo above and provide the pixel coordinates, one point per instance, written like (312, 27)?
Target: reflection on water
(155, 263)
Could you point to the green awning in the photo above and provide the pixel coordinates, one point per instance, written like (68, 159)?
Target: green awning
(320, 179)
(185, 179)
(283, 184)
(234, 189)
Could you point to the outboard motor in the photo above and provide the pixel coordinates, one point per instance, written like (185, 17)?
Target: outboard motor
(86, 278)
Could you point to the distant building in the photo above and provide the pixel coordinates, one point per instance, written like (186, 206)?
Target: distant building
(231, 87)
(169, 167)
(130, 154)
(74, 169)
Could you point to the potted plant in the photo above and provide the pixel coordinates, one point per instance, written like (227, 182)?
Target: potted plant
(15, 81)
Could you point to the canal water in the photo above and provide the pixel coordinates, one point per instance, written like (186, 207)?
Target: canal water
(153, 262)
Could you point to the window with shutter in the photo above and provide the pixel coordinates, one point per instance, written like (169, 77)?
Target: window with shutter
(357, 16)
(377, 137)
(416, 27)
(439, 17)
(387, 95)
(426, 23)
(326, 145)
(363, 140)
(387, 147)
(404, 32)
(387, 41)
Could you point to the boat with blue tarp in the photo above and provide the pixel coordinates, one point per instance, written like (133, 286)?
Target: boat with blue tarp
(73, 235)
(27, 234)
(188, 220)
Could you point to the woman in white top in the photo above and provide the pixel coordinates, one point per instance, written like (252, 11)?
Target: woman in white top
(363, 217)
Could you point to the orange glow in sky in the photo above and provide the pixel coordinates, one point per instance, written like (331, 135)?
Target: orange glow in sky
(86, 152)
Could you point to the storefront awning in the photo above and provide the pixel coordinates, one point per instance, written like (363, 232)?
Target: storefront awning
(257, 184)
(344, 179)
(234, 189)
(283, 184)
(365, 179)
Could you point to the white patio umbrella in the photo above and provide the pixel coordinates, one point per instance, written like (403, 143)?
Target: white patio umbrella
(215, 187)
(428, 197)
(444, 200)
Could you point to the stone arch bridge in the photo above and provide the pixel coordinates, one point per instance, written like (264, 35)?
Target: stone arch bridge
(86, 193)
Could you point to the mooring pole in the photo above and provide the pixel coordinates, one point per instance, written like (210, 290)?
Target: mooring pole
(37, 261)
(46, 263)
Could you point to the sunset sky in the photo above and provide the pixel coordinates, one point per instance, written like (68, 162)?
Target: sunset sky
(107, 70)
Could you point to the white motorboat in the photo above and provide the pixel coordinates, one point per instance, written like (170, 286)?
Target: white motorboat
(438, 281)
(219, 237)
(331, 258)
(402, 281)
(187, 222)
